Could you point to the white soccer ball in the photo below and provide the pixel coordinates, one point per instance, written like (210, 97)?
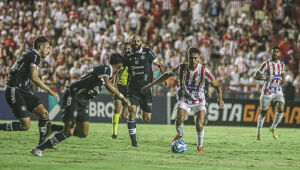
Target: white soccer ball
(179, 146)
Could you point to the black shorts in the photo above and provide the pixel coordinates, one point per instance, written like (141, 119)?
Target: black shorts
(72, 110)
(21, 102)
(122, 89)
(137, 97)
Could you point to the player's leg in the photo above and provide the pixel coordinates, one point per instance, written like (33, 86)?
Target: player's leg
(265, 102)
(200, 116)
(132, 125)
(124, 113)
(182, 113)
(16, 101)
(280, 110)
(115, 117)
(81, 129)
(146, 106)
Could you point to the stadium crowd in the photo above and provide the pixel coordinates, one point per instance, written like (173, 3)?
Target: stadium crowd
(234, 36)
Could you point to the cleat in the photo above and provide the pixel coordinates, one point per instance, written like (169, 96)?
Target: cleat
(114, 136)
(200, 150)
(258, 137)
(176, 138)
(134, 144)
(36, 152)
(49, 131)
(273, 131)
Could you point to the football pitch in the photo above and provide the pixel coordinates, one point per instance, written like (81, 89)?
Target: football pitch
(225, 147)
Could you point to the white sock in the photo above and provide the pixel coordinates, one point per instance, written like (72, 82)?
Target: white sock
(277, 120)
(179, 129)
(200, 137)
(260, 123)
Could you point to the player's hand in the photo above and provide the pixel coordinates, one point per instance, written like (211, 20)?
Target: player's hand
(146, 88)
(53, 93)
(221, 104)
(267, 78)
(126, 101)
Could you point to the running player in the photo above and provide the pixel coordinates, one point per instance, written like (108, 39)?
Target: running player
(122, 87)
(190, 94)
(139, 62)
(272, 72)
(19, 95)
(76, 99)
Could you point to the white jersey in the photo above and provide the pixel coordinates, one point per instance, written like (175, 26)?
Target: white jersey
(191, 88)
(274, 70)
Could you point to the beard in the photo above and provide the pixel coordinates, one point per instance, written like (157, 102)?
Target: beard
(136, 47)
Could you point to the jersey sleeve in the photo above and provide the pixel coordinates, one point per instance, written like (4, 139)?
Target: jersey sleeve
(208, 76)
(152, 56)
(125, 60)
(34, 60)
(103, 70)
(263, 67)
(282, 67)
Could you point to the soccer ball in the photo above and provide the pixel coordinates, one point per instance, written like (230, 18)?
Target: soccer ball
(179, 146)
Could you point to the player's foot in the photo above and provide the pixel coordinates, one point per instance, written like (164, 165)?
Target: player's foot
(114, 136)
(36, 152)
(176, 138)
(273, 131)
(200, 150)
(258, 137)
(134, 144)
(49, 130)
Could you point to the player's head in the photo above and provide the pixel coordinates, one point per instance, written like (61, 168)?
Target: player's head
(135, 42)
(193, 57)
(42, 45)
(275, 53)
(116, 61)
(125, 47)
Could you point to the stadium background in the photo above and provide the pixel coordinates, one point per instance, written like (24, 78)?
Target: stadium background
(234, 37)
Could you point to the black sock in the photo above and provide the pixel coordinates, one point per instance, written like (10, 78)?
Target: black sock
(11, 126)
(42, 128)
(55, 127)
(54, 140)
(132, 130)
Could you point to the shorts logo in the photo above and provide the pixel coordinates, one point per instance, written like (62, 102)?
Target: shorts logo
(149, 104)
(23, 108)
(75, 114)
(86, 111)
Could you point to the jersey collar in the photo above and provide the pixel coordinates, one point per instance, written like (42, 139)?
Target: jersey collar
(140, 51)
(36, 51)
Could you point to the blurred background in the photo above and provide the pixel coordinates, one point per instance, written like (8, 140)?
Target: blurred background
(234, 37)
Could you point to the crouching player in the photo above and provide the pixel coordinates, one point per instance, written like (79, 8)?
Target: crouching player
(190, 95)
(76, 99)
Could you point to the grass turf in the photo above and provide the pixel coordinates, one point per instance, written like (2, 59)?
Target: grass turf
(225, 148)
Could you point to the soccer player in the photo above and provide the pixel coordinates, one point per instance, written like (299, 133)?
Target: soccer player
(76, 99)
(121, 81)
(19, 95)
(272, 72)
(139, 62)
(190, 95)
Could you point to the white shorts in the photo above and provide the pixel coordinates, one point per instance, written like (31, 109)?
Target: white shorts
(267, 99)
(194, 108)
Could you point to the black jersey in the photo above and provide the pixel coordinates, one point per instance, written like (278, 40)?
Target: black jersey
(19, 76)
(91, 83)
(139, 68)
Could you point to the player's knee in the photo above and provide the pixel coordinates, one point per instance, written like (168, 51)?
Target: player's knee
(45, 113)
(281, 108)
(146, 119)
(26, 127)
(179, 121)
(123, 116)
(69, 133)
(84, 134)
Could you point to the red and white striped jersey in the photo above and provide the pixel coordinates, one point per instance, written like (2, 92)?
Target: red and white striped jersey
(191, 88)
(274, 70)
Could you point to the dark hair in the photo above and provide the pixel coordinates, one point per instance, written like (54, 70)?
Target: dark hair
(193, 50)
(40, 41)
(115, 58)
(276, 47)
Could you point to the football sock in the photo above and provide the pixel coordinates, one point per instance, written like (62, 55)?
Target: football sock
(115, 122)
(55, 127)
(277, 120)
(42, 128)
(260, 123)
(54, 140)
(11, 126)
(132, 130)
(200, 137)
(179, 129)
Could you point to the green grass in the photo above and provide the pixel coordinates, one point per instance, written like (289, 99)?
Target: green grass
(225, 148)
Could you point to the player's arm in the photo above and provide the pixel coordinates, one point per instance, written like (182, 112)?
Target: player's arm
(35, 78)
(216, 86)
(160, 66)
(259, 76)
(114, 91)
(282, 81)
(117, 77)
(161, 78)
